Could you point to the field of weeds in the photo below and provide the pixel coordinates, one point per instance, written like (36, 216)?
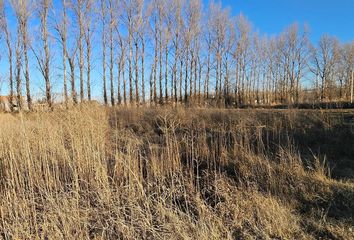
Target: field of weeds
(97, 173)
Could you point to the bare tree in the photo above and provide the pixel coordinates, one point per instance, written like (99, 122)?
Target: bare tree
(241, 55)
(154, 35)
(67, 54)
(184, 49)
(132, 19)
(71, 59)
(78, 7)
(23, 9)
(104, 46)
(324, 59)
(142, 57)
(157, 9)
(208, 38)
(294, 55)
(347, 68)
(228, 46)
(220, 24)
(44, 59)
(193, 17)
(112, 22)
(128, 19)
(167, 36)
(61, 29)
(5, 30)
(137, 36)
(18, 51)
(121, 65)
(88, 33)
(176, 12)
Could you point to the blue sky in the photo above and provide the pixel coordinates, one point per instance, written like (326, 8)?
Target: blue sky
(335, 17)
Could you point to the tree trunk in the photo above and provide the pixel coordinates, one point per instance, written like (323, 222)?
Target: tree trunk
(160, 66)
(18, 71)
(111, 60)
(207, 79)
(44, 18)
(103, 19)
(175, 70)
(63, 34)
(137, 73)
(186, 78)
(155, 65)
(88, 77)
(143, 69)
(81, 49)
(130, 66)
(152, 85)
(10, 56)
(25, 53)
(118, 83)
(87, 36)
(180, 80)
(124, 85)
(72, 75)
(166, 74)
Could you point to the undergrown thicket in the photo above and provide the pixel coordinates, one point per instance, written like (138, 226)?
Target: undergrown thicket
(95, 173)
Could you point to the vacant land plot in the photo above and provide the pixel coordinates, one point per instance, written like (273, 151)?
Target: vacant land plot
(96, 173)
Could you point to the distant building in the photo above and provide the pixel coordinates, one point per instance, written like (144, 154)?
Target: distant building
(6, 106)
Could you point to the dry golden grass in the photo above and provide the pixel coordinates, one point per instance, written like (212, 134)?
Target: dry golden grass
(95, 173)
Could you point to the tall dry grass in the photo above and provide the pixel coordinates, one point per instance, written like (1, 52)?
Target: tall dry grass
(95, 173)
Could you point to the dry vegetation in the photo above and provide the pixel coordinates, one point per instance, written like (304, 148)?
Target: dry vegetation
(96, 173)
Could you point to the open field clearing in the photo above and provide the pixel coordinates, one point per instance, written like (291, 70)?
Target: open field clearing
(105, 173)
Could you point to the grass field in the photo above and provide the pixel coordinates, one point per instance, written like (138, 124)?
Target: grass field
(97, 173)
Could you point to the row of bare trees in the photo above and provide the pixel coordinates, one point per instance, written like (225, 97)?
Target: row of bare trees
(166, 51)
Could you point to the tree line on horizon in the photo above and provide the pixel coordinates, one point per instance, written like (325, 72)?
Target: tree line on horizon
(164, 52)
